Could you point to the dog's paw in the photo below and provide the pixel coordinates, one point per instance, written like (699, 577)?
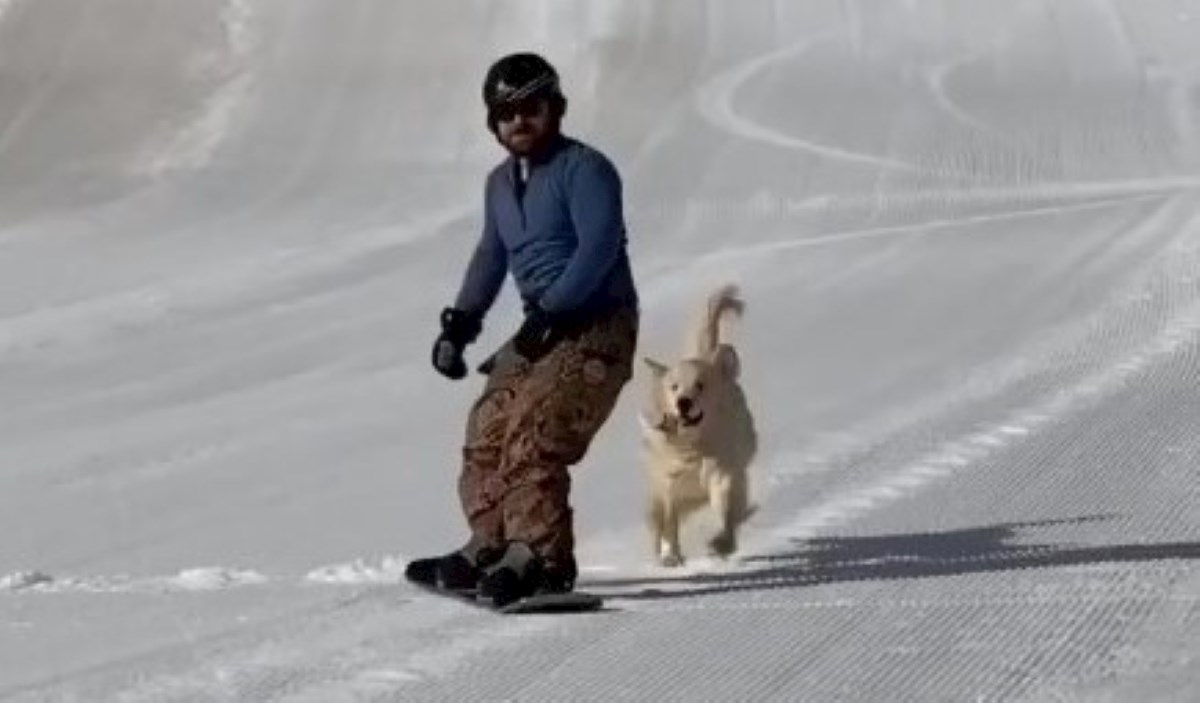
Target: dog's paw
(670, 560)
(722, 545)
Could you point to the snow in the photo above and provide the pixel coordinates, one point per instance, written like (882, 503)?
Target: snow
(23, 579)
(968, 235)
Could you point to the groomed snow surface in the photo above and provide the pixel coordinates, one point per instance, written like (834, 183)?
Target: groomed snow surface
(969, 238)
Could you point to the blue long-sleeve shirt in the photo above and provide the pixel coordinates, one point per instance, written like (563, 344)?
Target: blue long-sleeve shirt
(564, 240)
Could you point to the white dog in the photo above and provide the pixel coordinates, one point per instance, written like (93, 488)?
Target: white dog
(699, 434)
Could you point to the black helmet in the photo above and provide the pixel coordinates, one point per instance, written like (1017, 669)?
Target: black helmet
(518, 77)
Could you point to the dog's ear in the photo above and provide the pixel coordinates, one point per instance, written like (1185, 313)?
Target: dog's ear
(658, 368)
(725, 358)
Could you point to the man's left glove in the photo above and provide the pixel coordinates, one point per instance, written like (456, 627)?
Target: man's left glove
(538, 334)
(459, 328)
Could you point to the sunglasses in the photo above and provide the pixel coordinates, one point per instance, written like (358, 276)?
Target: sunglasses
(506, 112)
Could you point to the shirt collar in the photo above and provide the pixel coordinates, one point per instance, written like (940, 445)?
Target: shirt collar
(512, 166)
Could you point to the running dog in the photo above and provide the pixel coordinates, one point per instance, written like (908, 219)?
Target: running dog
(698, 434)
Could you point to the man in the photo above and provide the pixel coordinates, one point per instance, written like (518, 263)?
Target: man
(553, 218)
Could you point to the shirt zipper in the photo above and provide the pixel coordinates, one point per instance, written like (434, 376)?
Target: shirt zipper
(521, 185)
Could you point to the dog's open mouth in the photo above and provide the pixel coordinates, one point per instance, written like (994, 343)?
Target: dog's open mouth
(691, 420)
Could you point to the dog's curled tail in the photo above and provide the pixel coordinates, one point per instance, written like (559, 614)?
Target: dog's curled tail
(725, 306)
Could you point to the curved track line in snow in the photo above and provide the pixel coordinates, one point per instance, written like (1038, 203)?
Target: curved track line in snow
(990, 381)
(723, 256)
(782, 206)
(193, 145)
(242, 37)
(715, 100)
(936, 77)
(1104, 194)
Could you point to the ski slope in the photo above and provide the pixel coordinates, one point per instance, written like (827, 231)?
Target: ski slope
(968, 234)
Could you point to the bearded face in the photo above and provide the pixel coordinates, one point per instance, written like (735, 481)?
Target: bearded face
(526, 126)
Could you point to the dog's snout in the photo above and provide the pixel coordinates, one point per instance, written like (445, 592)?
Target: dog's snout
(684, 404)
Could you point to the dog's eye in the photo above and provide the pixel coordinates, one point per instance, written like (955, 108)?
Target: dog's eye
(699, 387)
(674, 387)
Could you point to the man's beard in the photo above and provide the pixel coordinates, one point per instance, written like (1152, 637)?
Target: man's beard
(534, 145)
(523, 143)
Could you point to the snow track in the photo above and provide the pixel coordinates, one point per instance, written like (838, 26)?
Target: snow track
(716, 101)
(969, 238)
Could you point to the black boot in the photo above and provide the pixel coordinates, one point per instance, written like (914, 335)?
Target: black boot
(520, 574)
(558, 576)
(459, 570)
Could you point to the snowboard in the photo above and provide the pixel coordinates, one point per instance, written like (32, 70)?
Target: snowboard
(572, 602)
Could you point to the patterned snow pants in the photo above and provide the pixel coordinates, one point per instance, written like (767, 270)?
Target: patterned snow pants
(531, 423)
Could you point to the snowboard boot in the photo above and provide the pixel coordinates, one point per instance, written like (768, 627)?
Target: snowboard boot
(459, 570)
(521, 574)
(557, 577)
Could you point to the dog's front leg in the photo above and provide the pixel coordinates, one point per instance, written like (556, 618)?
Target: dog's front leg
(664, 517)
(720, 498)
(656, 520)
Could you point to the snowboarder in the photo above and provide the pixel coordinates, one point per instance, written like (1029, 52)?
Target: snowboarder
(553, 218)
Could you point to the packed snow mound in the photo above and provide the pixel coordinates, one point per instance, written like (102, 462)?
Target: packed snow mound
(360, 571)
(214, 578)
(22, 580)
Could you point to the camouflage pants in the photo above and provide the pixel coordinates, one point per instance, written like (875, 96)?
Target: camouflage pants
(531, 423)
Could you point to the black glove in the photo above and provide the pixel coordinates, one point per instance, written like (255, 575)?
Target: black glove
(459, 328)
(538, 334)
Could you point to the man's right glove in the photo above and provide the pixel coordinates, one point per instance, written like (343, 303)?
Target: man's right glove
(459, 328)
